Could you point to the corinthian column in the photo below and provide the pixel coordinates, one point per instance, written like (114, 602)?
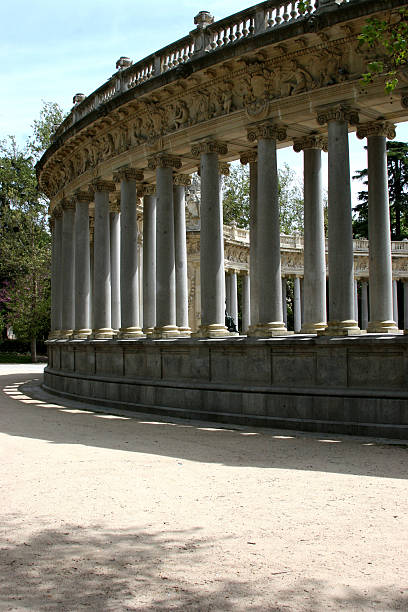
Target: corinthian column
(380, 264)
(181, 181)
(211, 241)
(102, 272)
(82, 266)
(268, 263)
(250, 157)
(314, 283)
(129, 262)
(68, 269)
(148, 192)
(340, 235)
(166, 326)
(56, 273)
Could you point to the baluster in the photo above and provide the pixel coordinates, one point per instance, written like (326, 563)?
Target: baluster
(310, 7)
(252, 25)
(278, 18)
(269, 18)
(285, 13)
(245, 31)
(225, 39)
(294, 12)
(231, 34)
(214, 41)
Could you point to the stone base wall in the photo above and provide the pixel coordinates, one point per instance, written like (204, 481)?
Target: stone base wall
(341, 385)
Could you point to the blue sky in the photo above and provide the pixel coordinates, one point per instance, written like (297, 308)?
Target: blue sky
(51, 50)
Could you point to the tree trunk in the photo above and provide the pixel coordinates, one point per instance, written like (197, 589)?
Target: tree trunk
(33, 349)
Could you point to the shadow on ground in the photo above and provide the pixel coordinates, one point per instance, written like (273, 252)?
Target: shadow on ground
(68, 422)
(74, 568)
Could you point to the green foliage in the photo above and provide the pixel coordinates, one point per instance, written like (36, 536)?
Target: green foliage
(389, 38)
(25, 242)
(397, 164)
(236, 199)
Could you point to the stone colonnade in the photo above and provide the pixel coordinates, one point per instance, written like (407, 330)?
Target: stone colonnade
(95, 292)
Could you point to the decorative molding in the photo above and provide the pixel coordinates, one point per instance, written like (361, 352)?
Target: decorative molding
(376, 128)
(312, 141)
(83, 196)
(68, 204)
(266, 131)
(128, 174)
(164, 160)
(209, 146)
(114, 207)
(146, 190)
(183, 180)
(247, 157)
(338, 112)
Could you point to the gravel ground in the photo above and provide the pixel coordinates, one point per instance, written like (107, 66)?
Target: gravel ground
(117, 512)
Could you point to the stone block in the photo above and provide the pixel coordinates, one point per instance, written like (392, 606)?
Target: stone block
(108, 362)
(293, 369)
(331, 367)
(376, 369)
(245, 367)
(143, 362)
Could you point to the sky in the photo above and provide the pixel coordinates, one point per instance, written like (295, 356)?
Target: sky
(52, 50)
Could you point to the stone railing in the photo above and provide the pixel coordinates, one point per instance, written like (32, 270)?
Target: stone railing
(208, 37)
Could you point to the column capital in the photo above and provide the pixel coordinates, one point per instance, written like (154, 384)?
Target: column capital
(102, 185)
(182, 180)
(264, 131)
(312, 141)
(56, 212)
(128, 174)
(82, 196)
(114, 206)
(247, 157)
(146, 190)
(340, 112)
(209, 146)
(224, 168)
(164, 160)
(376, 128)
(68, 204)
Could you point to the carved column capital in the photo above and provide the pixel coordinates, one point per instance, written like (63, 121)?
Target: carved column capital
(339, 112)
(164, 160)
(264, 131)
(114, 206)
(83, 196)
(312, 141)
(56, 212)
(224, 168)
(247, 157)
(183, 180)
(209, 146)
(146, 190)
(102, 185)
(404, 98)
(376, 128)
(68, 204)
(128, 174)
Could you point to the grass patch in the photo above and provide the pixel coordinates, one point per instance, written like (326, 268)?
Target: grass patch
(14, 358)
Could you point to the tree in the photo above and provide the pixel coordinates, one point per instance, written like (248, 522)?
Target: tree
(25, 241)
(397, 164)
(236, 199)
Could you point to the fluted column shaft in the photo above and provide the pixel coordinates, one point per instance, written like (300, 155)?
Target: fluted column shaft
(211, 242)
(82, 267)
(129, 260)
(56, 276)
(234, 296)
(297, 316)
(284, 303)
(340, 236)
(268, 263)
(149, 261)
(115, 262)
(364, 305)
(180, 248)
(395, 300)
(246, 301)
(68, 269)
(380, 264)
(102, 271)
(250, 157)
(314, 281)
(166, 326)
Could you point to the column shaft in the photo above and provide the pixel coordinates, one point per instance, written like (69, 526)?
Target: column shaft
(405, 305)
(253, 229)
(181, 259)
(297, 317)
(56, 277)
(364, 305)
(102, 272)
(284, 303)
(234, 297)
(82, 269)
(115, 262)
(149, 263)
(395, 300)
(68, 270)
(246, 301)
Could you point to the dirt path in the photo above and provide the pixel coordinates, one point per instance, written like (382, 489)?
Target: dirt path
(106, 512)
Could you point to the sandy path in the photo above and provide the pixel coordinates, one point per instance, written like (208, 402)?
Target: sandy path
(106, 512)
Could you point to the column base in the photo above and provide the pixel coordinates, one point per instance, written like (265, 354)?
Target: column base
(148, 331)
(382, 327)
(105, 333)
(313, 328)
(215, 330)
(82, 334)
(185, 332)
(269, 330)
(342, 328)
(54, 335)
(65, 334)
(130, 333)
(166, 332)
